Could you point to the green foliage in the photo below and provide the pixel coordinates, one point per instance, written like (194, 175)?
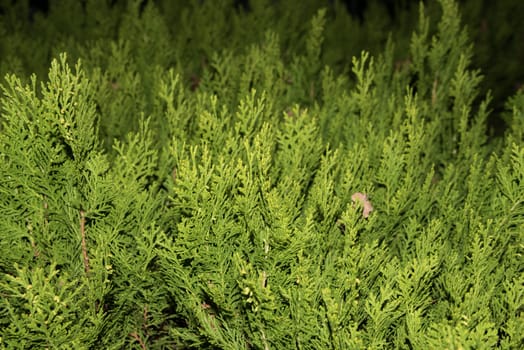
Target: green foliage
(166, 194)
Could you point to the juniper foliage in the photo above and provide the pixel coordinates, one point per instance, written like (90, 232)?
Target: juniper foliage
(147, 205)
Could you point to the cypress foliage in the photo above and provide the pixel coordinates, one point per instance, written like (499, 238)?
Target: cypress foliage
(248, 192)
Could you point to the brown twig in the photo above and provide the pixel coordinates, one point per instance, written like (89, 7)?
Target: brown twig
(46, 211)
(145, 325)
(139, 340)
(434, 92)
(36, 252)
(83, 234)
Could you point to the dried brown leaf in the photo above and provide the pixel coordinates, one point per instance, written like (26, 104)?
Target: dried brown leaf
(363, 200)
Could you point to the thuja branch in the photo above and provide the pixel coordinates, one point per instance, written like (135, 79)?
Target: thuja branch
(83, 234)
(136, 336)
(139, 340)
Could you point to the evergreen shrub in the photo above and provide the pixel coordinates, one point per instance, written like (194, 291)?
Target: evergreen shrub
(200, 175)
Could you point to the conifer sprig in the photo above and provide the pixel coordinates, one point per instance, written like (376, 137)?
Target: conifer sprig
(239, 192)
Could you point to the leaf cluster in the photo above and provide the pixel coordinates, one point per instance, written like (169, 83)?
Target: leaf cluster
(141, 209)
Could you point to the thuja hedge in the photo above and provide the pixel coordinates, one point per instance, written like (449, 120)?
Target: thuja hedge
(256, 198)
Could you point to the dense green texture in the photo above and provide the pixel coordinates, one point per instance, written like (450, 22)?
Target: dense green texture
(210, 166)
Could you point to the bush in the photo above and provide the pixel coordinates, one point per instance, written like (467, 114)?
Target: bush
(189, 185)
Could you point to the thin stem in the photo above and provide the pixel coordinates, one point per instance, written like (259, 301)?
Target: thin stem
(139, 340)
(83, 234)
